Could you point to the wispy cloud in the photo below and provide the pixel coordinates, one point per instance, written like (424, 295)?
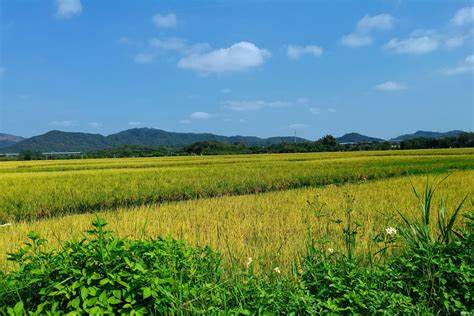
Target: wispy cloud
(297, 126)
(296, 52)
(200, 116)
(135, 123)
(466, 66)
(144, 58)
(185, 121)
(416, 45)
(362, 36)
(391, 86)
(356, 40)
(2, 71)
(226, 91)
(374, 23)
(68, 8)
(159, 47)
(165, 21)
(253, 105)
(463, 16)
(239, 56)
(95, 124)
(65, 123)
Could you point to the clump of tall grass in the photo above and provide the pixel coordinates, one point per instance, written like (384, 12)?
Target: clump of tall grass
(430, 273)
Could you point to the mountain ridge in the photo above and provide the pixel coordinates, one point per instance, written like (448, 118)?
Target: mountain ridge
(427, 134)
(7, 140)
(59, 141)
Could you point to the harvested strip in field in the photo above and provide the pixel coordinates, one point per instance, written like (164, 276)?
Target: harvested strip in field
(271, 227)
(33, 195)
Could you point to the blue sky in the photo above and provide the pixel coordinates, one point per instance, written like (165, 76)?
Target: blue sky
(262, 68)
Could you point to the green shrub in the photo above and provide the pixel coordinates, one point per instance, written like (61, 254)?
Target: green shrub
(106, 273)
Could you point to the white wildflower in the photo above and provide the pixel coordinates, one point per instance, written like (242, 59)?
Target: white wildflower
(330, 250)
(249, 262)
(6, 225)
(277, 270)
(391, 231)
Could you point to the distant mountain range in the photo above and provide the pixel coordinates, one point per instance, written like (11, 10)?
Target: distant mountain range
(68, 141)
(7, 140)
(58, 141)
(353, 138)
(426, 134)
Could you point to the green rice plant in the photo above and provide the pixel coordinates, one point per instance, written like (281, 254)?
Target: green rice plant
(421, 230)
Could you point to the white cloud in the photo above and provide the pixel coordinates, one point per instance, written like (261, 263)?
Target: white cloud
(185, 121)
(302, 100)
(63, 123)
(200, 116)
(377, 22)
(315, 111)
(466, 66)
(226, 91)
(391, 86)
(134, 123)
(456, 41)
(239, 56)
(144, 58)
(413, 45)
(68, 8)
(248, 106)
(95, 124)
(356, 40)
(297, 126)
(332, 110)
(365, 26)
(165, 21)
(172, 43)
(463, 16)
(296, 52)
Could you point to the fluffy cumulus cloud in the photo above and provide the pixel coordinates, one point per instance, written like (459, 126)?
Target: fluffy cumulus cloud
(391, 86)
(240, 56)
(255, 105)
(362, 36)
(165, 21)
(296, 52)
(414, 45)
(68, 8)
(463, 16)
(200, 116)
(466, 66)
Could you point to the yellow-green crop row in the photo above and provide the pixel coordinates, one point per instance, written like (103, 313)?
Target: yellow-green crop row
(56, 188)
(272, 228)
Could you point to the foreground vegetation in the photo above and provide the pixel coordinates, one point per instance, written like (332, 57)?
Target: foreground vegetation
(430, 273)
(32, 190)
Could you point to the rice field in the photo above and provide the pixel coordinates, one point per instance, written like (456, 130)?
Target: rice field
(271, 227)
(47, 189)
